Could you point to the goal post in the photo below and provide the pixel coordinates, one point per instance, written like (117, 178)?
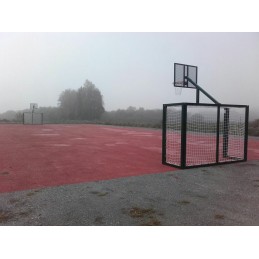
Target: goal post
(204, 134)
(32, 118)
(225, 132)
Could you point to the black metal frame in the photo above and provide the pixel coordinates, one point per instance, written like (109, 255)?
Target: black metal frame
(32, 123)
(184, 131)
(186, 84)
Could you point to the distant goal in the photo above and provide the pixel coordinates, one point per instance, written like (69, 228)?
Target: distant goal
(32, 118)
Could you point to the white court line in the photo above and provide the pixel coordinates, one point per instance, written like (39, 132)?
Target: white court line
(60, 145)
(46, 134)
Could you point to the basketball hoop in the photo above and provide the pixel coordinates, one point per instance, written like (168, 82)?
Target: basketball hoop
(33, 106)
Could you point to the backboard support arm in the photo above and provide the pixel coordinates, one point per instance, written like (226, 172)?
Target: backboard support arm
(200, 89)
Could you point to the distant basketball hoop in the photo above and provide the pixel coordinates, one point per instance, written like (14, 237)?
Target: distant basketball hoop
(32, 117)
(33, 106)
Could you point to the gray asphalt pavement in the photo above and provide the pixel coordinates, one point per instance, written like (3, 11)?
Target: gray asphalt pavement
(208, 196)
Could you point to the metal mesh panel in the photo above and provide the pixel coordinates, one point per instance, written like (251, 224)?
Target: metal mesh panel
(37, 118)
(179, 75)
(204, 134)
(173, 135)
(201, 138)
(27, 118)
(232, 133)
(32, 118)
(181, 71)
(192, 74)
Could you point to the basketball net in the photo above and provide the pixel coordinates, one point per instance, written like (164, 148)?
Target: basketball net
(178, 90)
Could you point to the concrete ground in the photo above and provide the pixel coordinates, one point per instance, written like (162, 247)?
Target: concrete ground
(208, 196)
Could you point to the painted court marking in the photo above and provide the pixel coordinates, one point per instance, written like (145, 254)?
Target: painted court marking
(46, 134)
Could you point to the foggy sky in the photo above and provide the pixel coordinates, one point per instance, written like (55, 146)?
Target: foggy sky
(130, 69)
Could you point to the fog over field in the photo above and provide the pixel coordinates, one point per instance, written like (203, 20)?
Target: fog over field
(130, 69)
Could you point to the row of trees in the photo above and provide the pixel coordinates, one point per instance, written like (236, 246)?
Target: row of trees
(253, 128)
(122, 117)
(134, 117)
(86, 103)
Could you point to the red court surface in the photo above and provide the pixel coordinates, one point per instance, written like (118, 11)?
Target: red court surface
(39, 156)
(36, 156)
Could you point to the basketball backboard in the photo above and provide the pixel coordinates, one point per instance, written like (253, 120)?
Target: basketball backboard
(33, 106)
(181, 72)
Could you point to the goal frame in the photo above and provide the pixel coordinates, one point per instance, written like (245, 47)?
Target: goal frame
(221, 136)
(32, 117)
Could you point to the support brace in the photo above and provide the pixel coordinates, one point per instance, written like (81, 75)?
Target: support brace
(203, 91)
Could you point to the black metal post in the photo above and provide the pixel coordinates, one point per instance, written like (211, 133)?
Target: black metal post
(246, 132)
(225, 132)
(217, 136)
(197, 96)
(183, 135)
(164, 134)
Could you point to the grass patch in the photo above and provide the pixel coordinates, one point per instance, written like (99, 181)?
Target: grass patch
(184, 202)
(146, 215)
(98, 220)
(201, 196)
(24, 213)
(219, 216)
(100, 194)
(13, 201)
(5, 216)
(140, 213)
(30, 194)
(152, 222)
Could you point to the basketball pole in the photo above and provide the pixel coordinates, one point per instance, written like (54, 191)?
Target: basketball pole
(32, 115)
(197, 96)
